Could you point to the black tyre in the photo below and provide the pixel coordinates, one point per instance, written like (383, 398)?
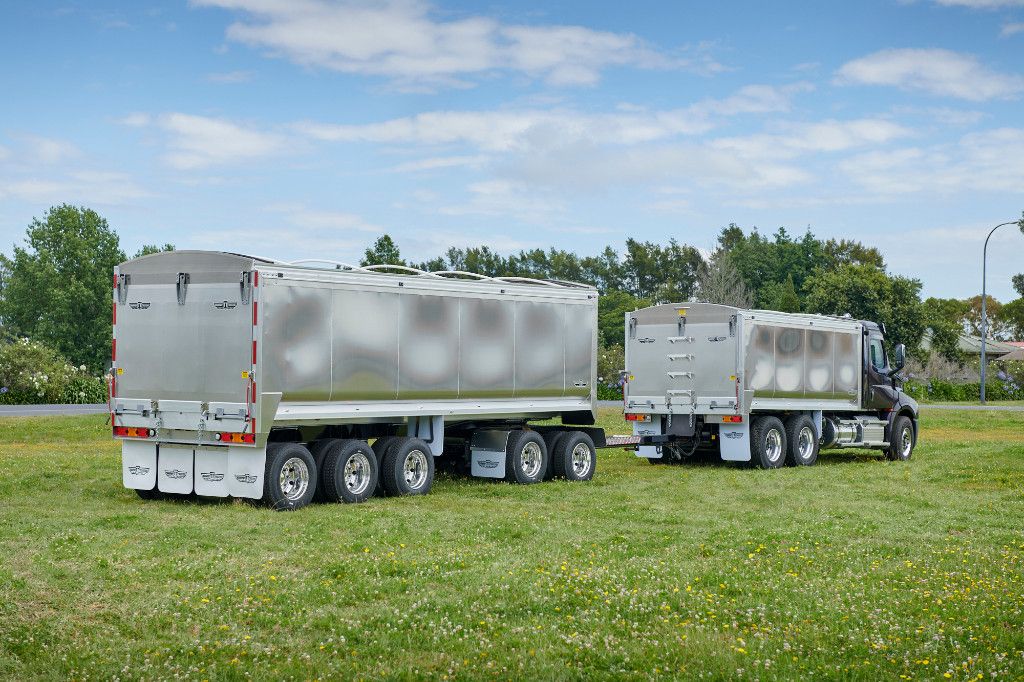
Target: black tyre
(380, 448)
(408, 467)
(901, 439)
(802, 439)
(290, 477)
(349, 472)
(318, 449)
(153, 494)
(574, 457)
(525, 457)
(768, 443)
(551, 440)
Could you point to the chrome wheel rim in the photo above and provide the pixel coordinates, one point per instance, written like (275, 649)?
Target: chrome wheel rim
(906, 442)
(415, 469)
(773, 445)
(294, 478)
(531, 459)
(357, 473)
(805, 442)
(581, 460)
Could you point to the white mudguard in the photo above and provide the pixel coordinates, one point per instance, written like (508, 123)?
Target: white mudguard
(138, 464)
(211, 472)
(651, 428)
(734, 442)
(246, 466)
(174, 468)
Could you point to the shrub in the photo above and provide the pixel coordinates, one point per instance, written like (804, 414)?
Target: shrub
(936, 390)
(33, 373)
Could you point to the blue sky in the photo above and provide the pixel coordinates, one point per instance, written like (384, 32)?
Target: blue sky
(300, 128)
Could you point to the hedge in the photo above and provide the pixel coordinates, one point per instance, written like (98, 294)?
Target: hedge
(33, 373)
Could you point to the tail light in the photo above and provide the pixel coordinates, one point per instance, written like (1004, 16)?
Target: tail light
(732, 418)
(630, 417)
(227, 437)
(133, 432)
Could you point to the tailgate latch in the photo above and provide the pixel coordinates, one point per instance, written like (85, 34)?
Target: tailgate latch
(183, 280)
(245, 283)
(122, 288)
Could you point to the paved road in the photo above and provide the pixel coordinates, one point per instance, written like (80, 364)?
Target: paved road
(44, 410)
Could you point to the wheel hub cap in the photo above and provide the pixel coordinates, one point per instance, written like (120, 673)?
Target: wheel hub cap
(294, 478)
(773, 445)
(531, 459)
(581, 460)
(415, 469)
(357, 473)
(805, 443)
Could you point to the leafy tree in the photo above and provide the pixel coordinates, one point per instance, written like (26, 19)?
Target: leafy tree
(998, 327)
(1018, 283)
(383, 252)
(944, 320)
(148, 249)
(783, 297)
(660, 273)
(867, 293)
(611, 315)
(58, 287)
(720, 282)
(1012, 315)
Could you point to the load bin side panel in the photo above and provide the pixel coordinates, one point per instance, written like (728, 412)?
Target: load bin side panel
(486, 348)
(540, 339)
(365, 332)
(428, 347)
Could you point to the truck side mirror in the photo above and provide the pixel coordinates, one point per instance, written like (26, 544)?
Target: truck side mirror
(899, 358)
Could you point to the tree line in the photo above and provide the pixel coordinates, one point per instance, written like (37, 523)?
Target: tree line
(56, 286)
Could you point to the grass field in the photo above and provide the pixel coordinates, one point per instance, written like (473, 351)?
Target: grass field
(857, 568)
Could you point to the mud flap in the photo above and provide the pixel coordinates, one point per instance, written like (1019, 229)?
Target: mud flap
(138, 464)
(487, 453)
(211, 472)
(246, 467)
(734, 441)
(651, 428)
(175, 469)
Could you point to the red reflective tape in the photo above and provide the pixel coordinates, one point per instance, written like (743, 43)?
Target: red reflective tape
(254, 391)
(114, 314)
(254, 352)
(253, 424)
(115, 281)
(255, 278)
(254, 314)
(113, 350)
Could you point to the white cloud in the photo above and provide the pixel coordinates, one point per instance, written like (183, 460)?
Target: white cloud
(436, 162)
(824, 136)
(87, 187)
(47, 150)
(936, 71)
(1012, 29)
(407, 41)
(986, 161)
(199, 141)
(230, 77)
(503, 131)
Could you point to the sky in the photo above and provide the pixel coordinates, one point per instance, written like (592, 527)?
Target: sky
(306, 128)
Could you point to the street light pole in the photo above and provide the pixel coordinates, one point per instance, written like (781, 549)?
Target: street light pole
(984, 316)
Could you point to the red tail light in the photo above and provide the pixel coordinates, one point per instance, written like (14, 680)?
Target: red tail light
(734, 419)
(630, 417)
(133, 432)
(226, 437)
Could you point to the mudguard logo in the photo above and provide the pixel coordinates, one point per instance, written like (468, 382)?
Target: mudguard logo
(174, 473)
(488, 464)
(139, 305)
(212, 476)
(225, 305)
(646, 339)
(245, 478)
(733, 434)
(138, 470)
(713, 339)
(581, 384)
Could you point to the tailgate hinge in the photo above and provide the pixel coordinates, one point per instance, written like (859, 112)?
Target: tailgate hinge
(245, 283)
(183, 280)
(122, 288)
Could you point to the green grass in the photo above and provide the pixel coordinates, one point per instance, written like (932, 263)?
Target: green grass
(857, 568)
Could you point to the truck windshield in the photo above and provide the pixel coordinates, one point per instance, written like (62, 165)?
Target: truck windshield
(877, 351)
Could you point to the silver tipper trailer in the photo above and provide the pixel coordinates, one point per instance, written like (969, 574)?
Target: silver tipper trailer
(249, 377)
(761, 386)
